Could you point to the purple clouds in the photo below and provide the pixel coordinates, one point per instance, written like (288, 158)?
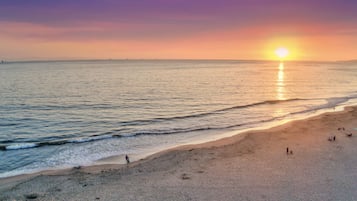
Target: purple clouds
(180, 12)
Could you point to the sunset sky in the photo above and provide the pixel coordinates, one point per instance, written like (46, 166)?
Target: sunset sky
(177, 29)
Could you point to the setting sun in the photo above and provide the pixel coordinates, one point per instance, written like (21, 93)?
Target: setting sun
(283, 48)
(282, 52)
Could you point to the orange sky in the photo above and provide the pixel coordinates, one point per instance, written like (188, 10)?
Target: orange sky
(168, 32)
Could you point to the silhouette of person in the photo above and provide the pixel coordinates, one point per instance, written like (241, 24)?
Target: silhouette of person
(127, 159)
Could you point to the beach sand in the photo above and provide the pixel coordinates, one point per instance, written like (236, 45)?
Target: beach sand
(248, 166)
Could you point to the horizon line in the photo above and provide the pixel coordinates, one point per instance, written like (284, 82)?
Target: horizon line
(170, 59)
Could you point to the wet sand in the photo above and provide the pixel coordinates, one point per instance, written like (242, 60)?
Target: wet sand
(248, 166)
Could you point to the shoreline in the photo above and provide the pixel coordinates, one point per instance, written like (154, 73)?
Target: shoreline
(59, 160)
(215, 140)
(242, 147)
(120, 159)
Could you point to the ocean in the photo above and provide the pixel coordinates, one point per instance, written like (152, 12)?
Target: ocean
(61, 114)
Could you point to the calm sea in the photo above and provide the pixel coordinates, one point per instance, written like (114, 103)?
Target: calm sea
(64, 114)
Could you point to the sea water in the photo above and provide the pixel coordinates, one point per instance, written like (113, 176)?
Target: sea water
(60, 114)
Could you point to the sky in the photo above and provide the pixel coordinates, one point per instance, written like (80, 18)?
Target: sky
(177, 29)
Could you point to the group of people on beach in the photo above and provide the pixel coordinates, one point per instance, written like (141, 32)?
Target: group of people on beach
(289, 151)
(333, 138)
(349, 134)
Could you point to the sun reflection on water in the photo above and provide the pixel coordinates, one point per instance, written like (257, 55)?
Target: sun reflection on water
(280, 85)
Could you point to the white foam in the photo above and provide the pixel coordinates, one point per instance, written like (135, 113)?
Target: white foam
(88, 139)
(21, 146)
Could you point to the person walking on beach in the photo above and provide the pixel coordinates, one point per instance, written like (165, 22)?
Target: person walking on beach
(127, 159)
(287, 150)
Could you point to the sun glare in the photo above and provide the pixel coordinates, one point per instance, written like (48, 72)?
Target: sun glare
(282, 52)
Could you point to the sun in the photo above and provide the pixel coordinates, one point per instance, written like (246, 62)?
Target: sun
(282, 52)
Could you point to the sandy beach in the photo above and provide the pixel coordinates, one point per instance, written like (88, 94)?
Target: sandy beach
(249, 166)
